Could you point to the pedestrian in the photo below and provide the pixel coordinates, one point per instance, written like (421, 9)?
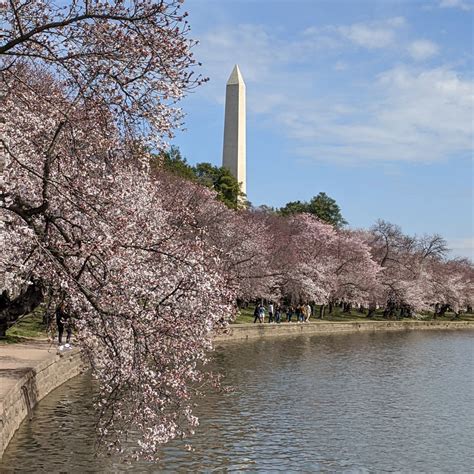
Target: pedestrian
(270, 313)
(262, 313)
(303, 313)
(289, 313)
(299, 315)
(256, 314)
(308, 312)
(278, 314)
(63, 321)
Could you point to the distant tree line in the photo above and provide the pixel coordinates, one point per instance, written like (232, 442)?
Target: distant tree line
(217, 178)
(322, 206)
(221, 180)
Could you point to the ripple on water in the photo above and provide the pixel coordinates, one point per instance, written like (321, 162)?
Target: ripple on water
(339, 403)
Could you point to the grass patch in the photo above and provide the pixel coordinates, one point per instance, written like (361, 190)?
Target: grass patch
(30, 326)
(246, 316)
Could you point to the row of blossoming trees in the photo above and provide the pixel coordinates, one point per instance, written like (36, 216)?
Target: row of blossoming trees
(299, 258)
(148, 263)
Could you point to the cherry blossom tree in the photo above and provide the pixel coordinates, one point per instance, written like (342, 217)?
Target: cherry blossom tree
(404, 282)
(451, 286)
(145, 287)
(355, 272)
(133, 58)
(319, 263)
(87, 87)
(120, 66)
(242, 239)
(303, 257)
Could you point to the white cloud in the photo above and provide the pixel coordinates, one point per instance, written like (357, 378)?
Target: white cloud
(372, 35)
(262, 52)
(462, 4)
(422, 49)
(403, 114)
(412, 115)
(363, 35)
(262, 56)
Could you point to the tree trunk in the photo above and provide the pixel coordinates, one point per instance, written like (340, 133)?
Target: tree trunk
(330, 307)
(321, 311)
(389, 310)
(3, 328)
(372, 308)
(443, 310)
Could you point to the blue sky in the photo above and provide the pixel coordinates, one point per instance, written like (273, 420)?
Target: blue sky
(368, 101)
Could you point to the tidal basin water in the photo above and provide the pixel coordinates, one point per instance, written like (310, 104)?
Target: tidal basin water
(378, 402)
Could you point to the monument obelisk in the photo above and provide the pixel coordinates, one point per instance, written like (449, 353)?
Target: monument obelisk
(234, 153)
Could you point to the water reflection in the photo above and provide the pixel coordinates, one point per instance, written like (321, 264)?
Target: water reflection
(348, 403)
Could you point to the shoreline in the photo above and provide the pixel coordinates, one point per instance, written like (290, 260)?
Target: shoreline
(246, 331)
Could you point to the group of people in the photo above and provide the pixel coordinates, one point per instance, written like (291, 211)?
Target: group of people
(301, 312)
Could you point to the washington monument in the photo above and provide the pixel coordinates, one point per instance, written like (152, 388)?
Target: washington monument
(234, 153)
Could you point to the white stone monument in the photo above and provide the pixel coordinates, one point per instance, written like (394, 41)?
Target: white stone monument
(234, 154)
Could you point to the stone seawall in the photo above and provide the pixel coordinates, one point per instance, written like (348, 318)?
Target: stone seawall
(254, 331)
(28, 372)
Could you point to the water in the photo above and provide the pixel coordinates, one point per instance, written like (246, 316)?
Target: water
(335, 403)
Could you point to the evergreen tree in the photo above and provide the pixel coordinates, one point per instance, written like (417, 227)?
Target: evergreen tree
(222, 181)
(322, 206)
(218, 178)
(172, 161)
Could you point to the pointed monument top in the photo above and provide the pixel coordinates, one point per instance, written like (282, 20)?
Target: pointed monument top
(235, 77)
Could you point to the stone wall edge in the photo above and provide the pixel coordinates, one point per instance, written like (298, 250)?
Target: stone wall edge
(240, 332)
(38, 382)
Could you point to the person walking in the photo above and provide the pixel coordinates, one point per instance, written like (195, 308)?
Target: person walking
(299, 315)
(270, 313)
(63, 321)
(256, 314)
(289, 313)
(308, 312)
(278, 314)
(259, 313)
(303, 313)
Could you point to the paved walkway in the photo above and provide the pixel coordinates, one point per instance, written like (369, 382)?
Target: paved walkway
(16, 360)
